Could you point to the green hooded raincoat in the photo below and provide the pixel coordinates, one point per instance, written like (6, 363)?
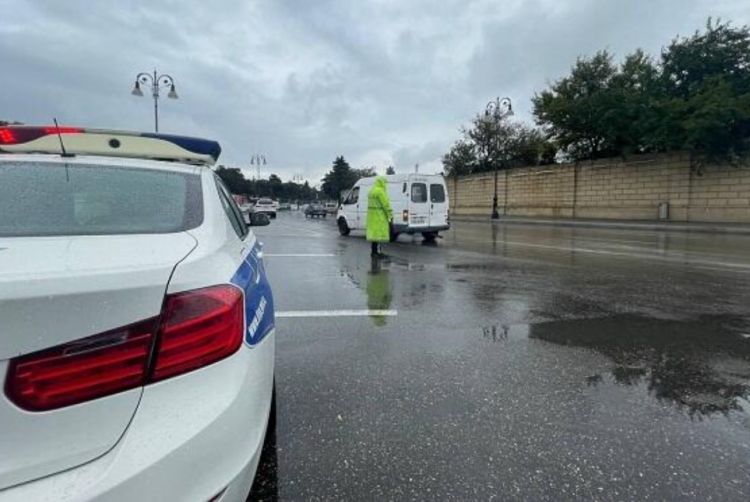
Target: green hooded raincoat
(379, 213)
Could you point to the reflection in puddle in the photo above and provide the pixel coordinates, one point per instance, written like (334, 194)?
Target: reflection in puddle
(378, 290)
(408, 264)
(701, 366)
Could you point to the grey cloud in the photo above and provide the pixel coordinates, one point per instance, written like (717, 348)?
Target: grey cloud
(302, 82)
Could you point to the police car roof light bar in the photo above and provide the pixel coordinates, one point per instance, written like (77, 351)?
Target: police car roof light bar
(82, 141)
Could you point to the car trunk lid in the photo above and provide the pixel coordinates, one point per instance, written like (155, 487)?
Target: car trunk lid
(55, 290)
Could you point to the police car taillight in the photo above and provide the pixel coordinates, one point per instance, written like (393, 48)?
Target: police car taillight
(196, 328)
(16, 135)
(81, 370)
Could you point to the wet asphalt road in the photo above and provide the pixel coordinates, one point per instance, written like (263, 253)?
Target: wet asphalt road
(521, 362)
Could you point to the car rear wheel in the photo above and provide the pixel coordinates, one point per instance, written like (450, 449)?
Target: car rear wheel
(343, 227)
(429, 236)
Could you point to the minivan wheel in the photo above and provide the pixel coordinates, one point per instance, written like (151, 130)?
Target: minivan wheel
(343, 227)
(429, 236)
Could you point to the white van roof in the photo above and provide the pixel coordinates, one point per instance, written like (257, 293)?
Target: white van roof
(400, 178)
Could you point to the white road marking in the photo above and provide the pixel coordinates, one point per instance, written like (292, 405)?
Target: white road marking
(336, 313)
(300, 236)
(299, 255)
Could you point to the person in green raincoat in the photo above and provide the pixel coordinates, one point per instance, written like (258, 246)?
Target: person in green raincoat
(379, 215)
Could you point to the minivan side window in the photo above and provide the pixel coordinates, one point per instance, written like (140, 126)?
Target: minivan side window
(353, 196)
(418, 192)
(437, 193)
(230, 208)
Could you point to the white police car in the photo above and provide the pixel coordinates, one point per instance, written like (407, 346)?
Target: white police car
(136, 321)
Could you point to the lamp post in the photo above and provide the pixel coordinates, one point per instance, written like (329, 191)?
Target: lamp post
(157, 82)
(257, 160)
(497, 110)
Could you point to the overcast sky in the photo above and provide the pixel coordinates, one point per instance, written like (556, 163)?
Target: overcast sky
(380, 82)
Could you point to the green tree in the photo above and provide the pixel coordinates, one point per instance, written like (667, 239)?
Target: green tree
(271, 187)
(706, 79)
(528, 146)
(697, 98)
(390, 170)
(575, 112)
(233, 179)
(460, 159)
(721, 51)
(365, 172)
(275, 187)
(636, 94)
(339, 178)
(488, 135)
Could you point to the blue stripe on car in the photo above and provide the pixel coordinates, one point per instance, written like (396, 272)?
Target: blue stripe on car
(259, 311)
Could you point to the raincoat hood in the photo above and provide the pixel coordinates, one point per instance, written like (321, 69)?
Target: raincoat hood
(381, 182)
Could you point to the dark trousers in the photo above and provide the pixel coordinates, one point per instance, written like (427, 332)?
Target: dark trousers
(375, 248)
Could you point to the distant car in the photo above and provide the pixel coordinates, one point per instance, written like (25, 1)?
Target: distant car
(266, 206)
(136, 321)
(313, 210)
(247, 211)
(331, 207)
(285, 206)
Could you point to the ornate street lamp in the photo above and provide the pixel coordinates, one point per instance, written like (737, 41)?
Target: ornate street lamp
(497, 110)
(258, 159)
(156, 82)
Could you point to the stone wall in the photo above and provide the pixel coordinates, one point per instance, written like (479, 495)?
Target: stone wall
(631, 189)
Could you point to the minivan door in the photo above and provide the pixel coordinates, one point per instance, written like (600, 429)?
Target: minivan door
(438, 205)
(419, 207)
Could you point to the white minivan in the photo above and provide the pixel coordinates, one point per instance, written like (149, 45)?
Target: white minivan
(419, 202)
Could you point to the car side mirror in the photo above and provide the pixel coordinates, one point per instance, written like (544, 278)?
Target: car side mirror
(259, 220)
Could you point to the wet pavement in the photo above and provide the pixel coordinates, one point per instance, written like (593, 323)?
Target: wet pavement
(509, 362)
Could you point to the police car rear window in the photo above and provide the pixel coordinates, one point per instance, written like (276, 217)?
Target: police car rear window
(38, 199)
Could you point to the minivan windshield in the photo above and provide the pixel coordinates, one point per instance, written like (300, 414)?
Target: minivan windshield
(42, 199)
